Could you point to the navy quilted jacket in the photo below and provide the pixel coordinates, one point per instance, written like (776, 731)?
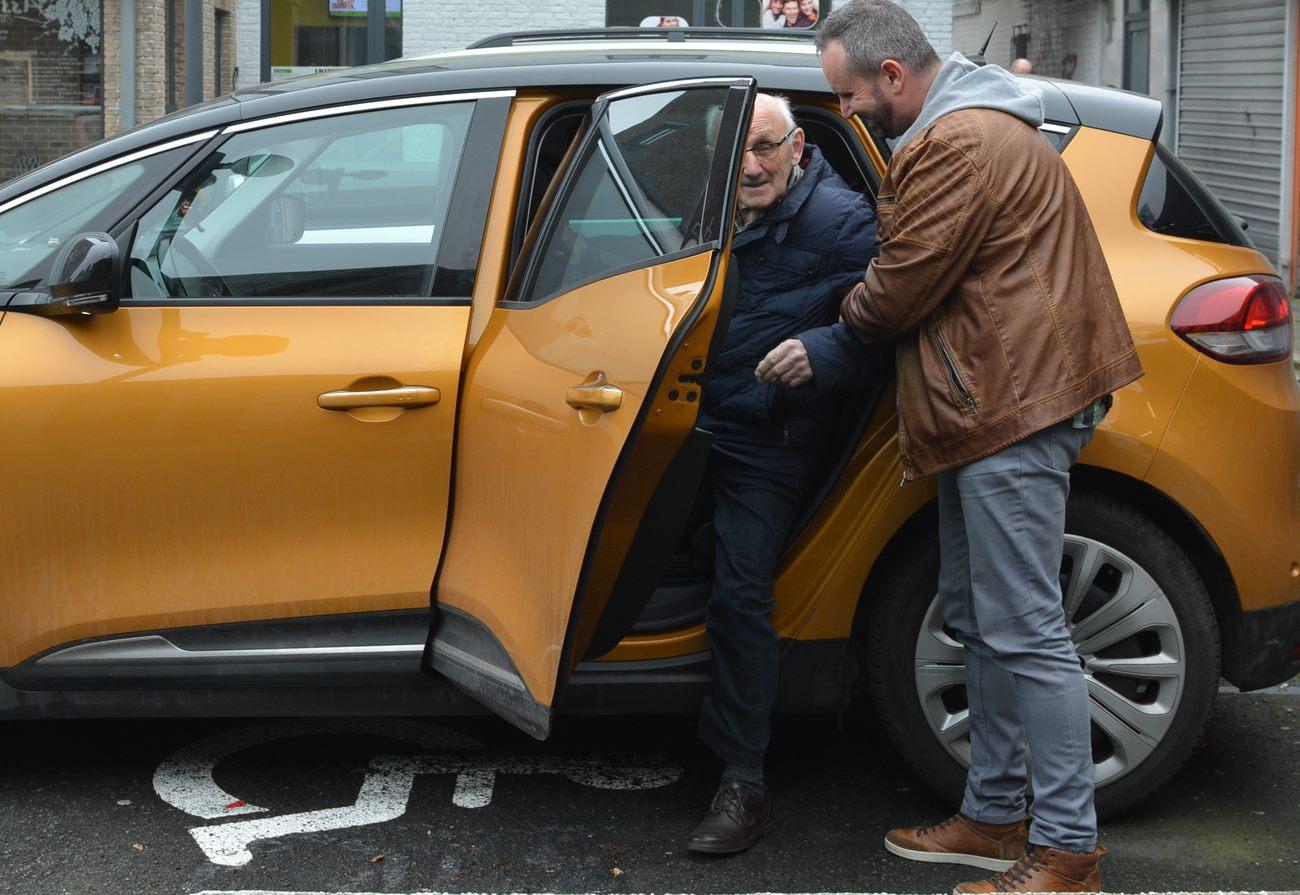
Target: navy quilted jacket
(795, 264)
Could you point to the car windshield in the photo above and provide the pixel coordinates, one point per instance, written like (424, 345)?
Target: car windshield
(31, 233)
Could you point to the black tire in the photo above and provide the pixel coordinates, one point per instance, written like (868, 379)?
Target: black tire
(901, 601)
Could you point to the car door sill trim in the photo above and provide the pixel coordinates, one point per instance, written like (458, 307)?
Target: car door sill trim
(156, 649)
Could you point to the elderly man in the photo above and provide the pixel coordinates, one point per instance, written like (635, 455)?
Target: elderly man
(1010, 341)
(802, 240)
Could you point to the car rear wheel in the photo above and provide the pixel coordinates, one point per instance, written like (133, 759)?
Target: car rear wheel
(1140, 618)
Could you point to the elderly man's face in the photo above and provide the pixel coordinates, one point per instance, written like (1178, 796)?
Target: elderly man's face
(768, 161)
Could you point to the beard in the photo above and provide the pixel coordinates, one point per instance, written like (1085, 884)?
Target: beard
(880, 120)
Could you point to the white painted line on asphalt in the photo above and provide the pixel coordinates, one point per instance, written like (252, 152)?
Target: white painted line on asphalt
(185, 780)
(387, 789)
(383, 797)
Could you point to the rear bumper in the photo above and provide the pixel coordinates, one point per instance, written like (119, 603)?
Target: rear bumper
(1268, 648)
(1231, 459)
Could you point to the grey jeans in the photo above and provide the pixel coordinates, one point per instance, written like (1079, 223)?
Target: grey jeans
(1001, 533)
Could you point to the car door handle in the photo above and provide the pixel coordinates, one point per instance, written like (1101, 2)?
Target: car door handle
(594, 393)
(402, 396)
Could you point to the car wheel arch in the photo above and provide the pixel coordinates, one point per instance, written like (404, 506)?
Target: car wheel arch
(1171, 516)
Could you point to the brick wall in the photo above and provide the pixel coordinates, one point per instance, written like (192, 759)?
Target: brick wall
(151, 59)
(112, 66)
(248, 40)
(51, 89)
(225, 17)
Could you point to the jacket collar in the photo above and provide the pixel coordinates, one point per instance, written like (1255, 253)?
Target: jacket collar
(776, 220)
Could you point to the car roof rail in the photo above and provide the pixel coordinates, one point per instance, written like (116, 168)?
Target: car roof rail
(669, 35)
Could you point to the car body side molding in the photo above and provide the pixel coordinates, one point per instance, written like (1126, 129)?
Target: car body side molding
(464, 651)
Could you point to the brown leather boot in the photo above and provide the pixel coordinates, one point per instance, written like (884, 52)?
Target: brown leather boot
(960, 840)
(1044, 870)
(736, 820)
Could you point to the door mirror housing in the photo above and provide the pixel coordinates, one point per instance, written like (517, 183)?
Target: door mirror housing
(85, 280)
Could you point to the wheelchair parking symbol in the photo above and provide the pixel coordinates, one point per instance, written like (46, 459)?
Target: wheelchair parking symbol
(185, 780)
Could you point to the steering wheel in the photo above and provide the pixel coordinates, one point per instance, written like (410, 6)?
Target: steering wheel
(207, 271)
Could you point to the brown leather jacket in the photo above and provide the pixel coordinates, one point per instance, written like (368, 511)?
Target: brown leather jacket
(992, 278)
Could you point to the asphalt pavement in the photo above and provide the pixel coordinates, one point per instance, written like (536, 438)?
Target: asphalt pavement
(469, 805)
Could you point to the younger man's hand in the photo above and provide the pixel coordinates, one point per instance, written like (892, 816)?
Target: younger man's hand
(787, 364)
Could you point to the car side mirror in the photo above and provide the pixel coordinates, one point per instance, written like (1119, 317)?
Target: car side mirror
(85, 279)
(288, 220)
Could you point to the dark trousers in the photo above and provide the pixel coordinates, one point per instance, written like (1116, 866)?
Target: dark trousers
(753, 511)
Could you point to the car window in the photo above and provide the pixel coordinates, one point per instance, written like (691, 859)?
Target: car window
(1174, 202)
(32, 233)
(338, 207)
(637, 191)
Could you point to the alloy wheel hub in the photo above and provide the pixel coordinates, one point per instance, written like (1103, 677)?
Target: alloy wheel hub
(1130, 647)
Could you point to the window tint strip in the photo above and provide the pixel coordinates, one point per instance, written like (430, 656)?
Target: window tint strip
(106, 166)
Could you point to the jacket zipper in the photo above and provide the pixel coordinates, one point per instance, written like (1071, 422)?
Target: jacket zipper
(902, 439)
(953, 376)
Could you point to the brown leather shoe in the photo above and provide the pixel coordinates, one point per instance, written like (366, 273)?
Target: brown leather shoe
(736, 820)
(1044, 870)
(960, 840)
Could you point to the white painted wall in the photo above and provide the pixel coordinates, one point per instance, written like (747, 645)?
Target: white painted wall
(935, 16)
(248, 41)
(426, 27)
(426, 30)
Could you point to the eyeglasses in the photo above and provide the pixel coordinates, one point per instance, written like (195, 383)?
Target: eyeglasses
(768, 150)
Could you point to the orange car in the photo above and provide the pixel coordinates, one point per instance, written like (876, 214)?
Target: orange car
(278, 369)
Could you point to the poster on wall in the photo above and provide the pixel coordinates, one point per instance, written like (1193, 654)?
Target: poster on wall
(361, 8)
(788, 13)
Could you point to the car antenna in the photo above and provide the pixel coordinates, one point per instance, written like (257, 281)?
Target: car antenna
(978, 58)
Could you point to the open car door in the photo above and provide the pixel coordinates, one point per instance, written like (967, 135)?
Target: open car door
(577, 453)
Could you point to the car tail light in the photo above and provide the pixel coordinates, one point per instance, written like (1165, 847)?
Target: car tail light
(1241, 320)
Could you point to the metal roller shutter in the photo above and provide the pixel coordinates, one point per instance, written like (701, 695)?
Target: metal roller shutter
(1230, 93)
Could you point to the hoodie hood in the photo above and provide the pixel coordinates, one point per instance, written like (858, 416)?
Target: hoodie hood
(961, 84)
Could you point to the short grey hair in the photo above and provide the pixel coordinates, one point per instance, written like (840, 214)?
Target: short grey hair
(783, 109)
(872, 31)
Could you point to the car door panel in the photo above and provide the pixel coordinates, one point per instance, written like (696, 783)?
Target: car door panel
(575, 406)
(172, 467)
(202, 458)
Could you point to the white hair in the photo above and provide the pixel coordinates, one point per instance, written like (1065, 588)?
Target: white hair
(781, 104)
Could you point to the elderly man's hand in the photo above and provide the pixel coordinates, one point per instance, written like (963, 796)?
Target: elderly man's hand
(786, 364)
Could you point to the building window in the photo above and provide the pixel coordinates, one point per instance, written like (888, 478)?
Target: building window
(51, 80)
(1137, 45)
(1020, 42)
(321, 35)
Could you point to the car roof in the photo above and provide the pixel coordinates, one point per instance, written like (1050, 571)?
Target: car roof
(605, 58)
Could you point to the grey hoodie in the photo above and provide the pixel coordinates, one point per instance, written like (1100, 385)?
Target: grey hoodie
(961, 84)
